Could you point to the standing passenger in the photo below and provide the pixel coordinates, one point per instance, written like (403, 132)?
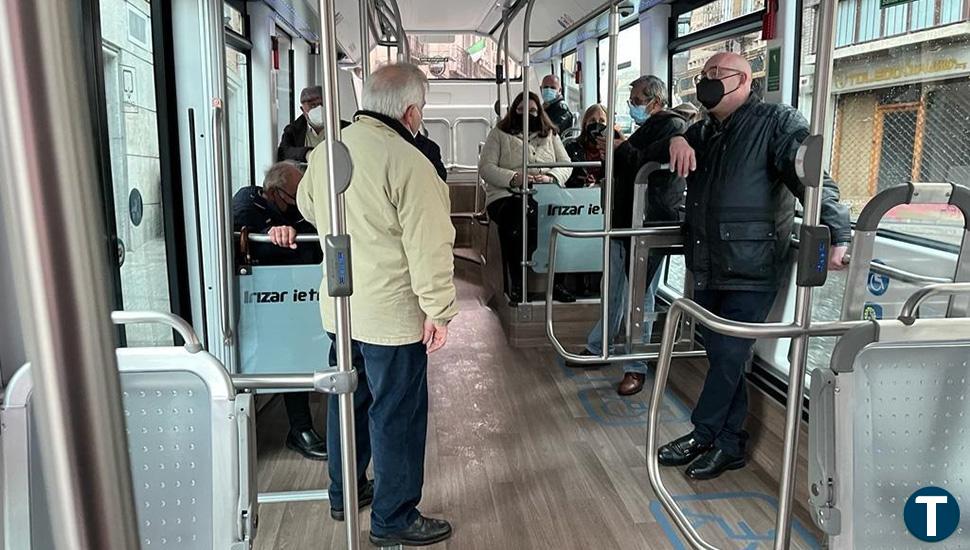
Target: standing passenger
(304, 133)
(665, 197)
(499, 166)
(555, 105)
(741, 192)
(398, 218)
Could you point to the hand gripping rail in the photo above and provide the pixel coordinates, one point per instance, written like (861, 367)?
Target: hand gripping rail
(863, 241)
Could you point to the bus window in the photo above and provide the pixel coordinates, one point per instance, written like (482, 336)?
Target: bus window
(900, 114)
(688, 63)
(627, 70)
(715, 13)
(572, 91)
(450, 56)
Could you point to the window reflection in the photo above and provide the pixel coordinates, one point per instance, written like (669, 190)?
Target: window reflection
(449, 56)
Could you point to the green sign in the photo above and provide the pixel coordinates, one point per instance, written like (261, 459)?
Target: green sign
(883, 4)
(774, 70)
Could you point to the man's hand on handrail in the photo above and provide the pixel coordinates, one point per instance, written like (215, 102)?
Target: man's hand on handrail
(837, 260)
(683, 160)
(283, 236)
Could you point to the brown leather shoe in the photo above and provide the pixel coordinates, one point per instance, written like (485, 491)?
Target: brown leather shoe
(631, 384)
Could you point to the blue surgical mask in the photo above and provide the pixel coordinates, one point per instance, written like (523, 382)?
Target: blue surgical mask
(639, 113)
(549, 95)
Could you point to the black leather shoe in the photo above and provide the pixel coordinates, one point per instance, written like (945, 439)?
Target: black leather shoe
(560, 294)
(682, 450)
(308, 444)
(365, 496)
(713, 463)
(423, 532)
(586, 353)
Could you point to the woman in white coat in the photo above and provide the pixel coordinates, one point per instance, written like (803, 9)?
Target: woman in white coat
(500, 166)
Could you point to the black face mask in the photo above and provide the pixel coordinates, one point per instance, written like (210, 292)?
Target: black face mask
(535, 123)
(595, 129)
(711, 92)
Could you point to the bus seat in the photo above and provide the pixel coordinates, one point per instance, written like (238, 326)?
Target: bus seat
(887, 418)
(191, 446)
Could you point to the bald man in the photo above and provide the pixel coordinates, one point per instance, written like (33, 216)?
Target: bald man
(554, 105)
(741, 191)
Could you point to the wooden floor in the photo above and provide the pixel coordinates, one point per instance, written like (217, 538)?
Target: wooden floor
(523, 453)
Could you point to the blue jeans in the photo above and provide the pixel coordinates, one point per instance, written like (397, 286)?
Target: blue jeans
(722, 406)
(618, 303)
(391, 413)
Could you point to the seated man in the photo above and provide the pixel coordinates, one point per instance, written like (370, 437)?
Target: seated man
(741, 190)
(272, 209)
(555, 105)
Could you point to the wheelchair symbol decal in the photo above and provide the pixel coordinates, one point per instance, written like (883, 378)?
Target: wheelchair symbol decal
(878, 283)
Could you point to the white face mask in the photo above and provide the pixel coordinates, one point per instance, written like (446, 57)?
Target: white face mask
(315, 116)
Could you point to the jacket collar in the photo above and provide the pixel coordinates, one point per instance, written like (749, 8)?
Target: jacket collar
(752, 100)
(391, 123)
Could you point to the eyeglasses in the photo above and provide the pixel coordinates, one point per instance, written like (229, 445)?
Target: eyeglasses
(287, 196)
(636, 101)
(717, 73)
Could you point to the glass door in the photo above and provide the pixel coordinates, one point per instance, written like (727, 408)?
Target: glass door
(139, 207)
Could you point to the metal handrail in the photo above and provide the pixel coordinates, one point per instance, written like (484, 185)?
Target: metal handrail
(264, 238)
(185, 330)
(250, 382)
(911, 308)
(338, 212)
(678, 309)
(896, 273)
(224, 256)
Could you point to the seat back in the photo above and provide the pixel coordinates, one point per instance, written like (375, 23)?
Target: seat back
(889, 417)
(189, 446)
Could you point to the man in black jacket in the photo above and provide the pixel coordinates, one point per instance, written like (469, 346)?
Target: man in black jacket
(665, 197)
(304, 133)
(272, 209)
(741, 190)
(555, 105)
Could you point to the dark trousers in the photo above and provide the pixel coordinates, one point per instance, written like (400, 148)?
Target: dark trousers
(506, 213)
(391, 413)
(723, 404)
(298, 411)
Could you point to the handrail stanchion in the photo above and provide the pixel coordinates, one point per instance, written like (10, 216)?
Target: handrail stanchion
(348, 451)
(526, 63)
(798, 356)
(614, 31)
(364, 40)
(50, 183)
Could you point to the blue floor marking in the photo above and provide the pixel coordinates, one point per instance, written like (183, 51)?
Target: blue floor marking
(604, 406)
(741, 532)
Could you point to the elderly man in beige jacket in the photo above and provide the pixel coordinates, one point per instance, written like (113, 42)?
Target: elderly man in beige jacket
(398, 219)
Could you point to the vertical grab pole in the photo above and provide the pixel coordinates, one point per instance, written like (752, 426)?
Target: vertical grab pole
(803, 297)
(502, 55)
(506, 60)
(608, 176)
(364, 40)
(338, 209)
(50, 184)
(525, 151)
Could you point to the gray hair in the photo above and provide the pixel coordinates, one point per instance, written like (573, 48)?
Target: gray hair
(653, 88)
(278, 175)
(310, 93)
(391, 89)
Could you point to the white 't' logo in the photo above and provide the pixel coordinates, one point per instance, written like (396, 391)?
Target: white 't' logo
(931, 503)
